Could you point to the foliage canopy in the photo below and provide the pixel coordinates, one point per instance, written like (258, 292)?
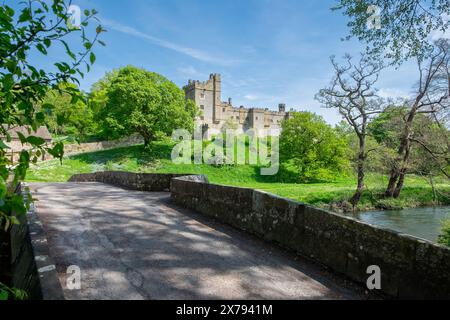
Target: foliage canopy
(133, 100)
(311, 149)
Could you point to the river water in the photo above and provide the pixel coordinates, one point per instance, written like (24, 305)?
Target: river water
(425, 223)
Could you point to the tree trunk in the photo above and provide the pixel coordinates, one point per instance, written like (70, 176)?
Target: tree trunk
(399, 186)
(360, 188)
(361, 174)
(147, 139)
(404, 169)
(398, 171)
(392, 181)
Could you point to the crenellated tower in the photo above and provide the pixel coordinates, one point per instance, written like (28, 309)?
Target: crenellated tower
(215, 113)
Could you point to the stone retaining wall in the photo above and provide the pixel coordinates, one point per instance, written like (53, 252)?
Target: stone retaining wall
(410, 267)
(76, 148)
(31, 266)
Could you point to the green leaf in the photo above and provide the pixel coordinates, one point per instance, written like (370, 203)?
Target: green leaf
(24, 159)
(57, 151)
(4, 173)
(3, 188)
(17, 205)
(92, 58)
(40, 117)
(68, 51)
(3, 295)
(41, 48)
(60, 119)
(11, 66)
(87, 45)
(35, 141)
(3, 145)
(61, 67)
(22, 138)
(74, 99)
(25, 15)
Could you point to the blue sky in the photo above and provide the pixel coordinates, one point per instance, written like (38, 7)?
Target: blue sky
(268, 51)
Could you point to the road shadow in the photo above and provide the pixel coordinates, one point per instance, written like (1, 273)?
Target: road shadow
(142, 245)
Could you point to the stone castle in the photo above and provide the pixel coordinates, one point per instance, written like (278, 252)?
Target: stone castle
(217, 115)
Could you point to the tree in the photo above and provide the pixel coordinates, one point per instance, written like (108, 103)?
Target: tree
(33, 29)
(351, 92)
(428, 154)
(312, 148)
(384, 128)
(432, 97)
(404, 27)
(98, 97)
(68, 118)
(143, 102)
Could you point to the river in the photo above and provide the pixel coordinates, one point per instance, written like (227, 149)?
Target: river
(425, 223)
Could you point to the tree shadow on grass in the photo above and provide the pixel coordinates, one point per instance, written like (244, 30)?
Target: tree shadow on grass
(142, 156)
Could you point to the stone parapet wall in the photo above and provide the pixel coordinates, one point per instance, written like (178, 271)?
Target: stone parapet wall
(128, 180)
(32, 268)
(410, 267)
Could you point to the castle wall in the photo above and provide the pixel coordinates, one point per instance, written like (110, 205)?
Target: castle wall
(215, 113)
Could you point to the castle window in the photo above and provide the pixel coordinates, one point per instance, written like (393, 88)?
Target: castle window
(224, 110)
(202, 96)
(257, 118)
(202, 107)
(202, 118)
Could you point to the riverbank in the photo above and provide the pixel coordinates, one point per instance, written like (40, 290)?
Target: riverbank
(417, 192)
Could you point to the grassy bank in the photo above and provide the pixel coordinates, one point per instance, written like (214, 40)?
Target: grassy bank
(135, 159)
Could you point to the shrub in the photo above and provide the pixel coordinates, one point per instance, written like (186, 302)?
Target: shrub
(444, 238)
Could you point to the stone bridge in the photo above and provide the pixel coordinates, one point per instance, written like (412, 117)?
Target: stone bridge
(139, 245)
(232, 243)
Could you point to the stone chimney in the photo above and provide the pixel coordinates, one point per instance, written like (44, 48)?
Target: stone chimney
(230, 101)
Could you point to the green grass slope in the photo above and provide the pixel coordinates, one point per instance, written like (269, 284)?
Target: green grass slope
(417, 191)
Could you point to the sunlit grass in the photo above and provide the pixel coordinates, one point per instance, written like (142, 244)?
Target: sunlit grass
(417, 191)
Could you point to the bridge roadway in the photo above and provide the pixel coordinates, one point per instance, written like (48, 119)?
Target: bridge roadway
(139, 245)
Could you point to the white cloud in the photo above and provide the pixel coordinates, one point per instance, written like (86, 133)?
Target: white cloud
(190, 72)
(251, 97)
(393, 93)
(191, 52)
